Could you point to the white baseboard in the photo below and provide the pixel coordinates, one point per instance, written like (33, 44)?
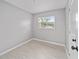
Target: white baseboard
(60, 44)
(10, 49)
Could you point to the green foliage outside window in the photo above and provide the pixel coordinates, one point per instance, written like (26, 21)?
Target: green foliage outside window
(47, 22)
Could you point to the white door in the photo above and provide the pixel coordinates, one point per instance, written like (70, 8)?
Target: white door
(73, 29)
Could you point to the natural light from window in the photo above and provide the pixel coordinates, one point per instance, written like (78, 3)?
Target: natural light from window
(47, 22)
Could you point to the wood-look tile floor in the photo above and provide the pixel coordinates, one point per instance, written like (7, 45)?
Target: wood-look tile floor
(36, 50)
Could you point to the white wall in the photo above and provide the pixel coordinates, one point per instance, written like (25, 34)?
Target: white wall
(67, 26)
(56, 36)
(15, 26)
(71, 27)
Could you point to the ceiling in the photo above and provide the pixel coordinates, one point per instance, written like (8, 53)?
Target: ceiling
(36, 6)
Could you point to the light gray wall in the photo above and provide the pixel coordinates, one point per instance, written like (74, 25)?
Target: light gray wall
(15, 26)
(58, 35)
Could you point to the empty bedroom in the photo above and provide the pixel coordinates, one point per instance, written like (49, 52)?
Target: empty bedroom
(39, 29)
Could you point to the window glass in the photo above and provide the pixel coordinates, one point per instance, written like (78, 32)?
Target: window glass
(47, 22)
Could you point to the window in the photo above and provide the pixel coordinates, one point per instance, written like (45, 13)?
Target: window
(47, 22)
